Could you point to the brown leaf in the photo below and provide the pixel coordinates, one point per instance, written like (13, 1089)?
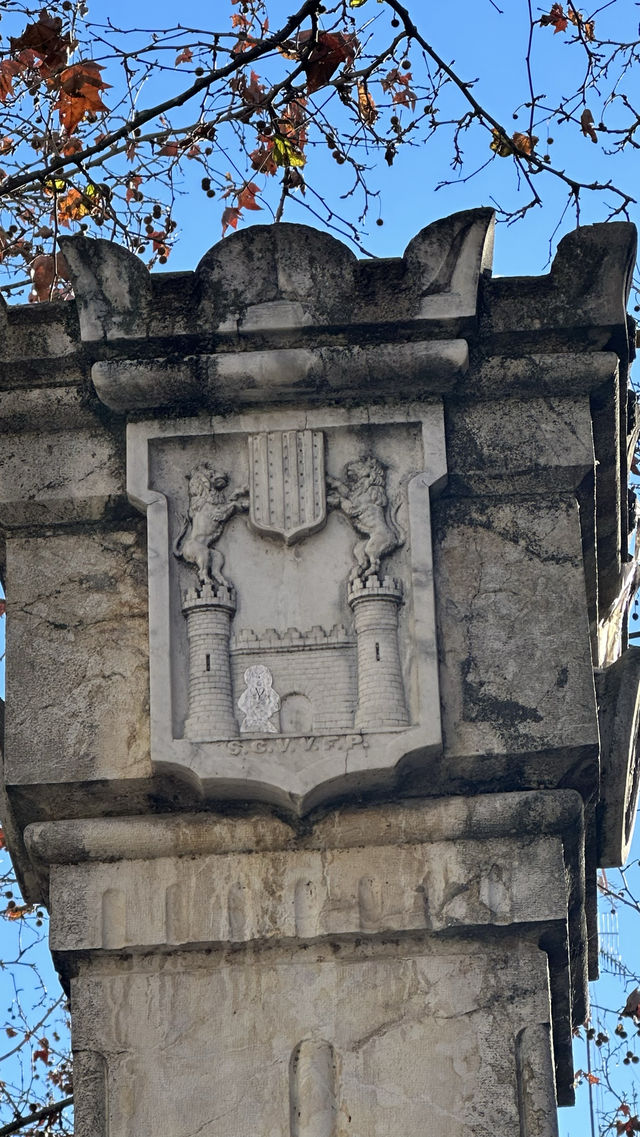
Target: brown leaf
(44, 269)
(556, 18)
(247, 197)
(45, 39)
(586, 124)
(132, 186)
(9, 68)
(524, 142)
(230, 217)
(80, 93)
(329, 51)
(170, 150)
(185, 56)
(366, 106)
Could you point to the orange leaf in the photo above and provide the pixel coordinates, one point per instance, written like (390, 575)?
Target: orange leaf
(170, 149)
(524, 142)
(17, 912)
(247, 197)
(132, 186)
(44, 270)
(366, 106)
(9, 68)
(185, 56)
(71, 147)
(593, 1080)
(262, 159)
(556, 18)
(230, 217)
(80, 93)
(3, 843)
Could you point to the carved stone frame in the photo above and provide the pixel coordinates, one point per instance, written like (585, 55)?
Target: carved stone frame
(246, 770)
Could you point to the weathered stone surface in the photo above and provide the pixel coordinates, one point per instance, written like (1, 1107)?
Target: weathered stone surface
(617, 688)
(400, 941)
(508, 576)
(77, 655)
(419, 1037)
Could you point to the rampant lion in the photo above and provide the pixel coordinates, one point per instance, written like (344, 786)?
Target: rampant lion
(209, 511)
(362, 497)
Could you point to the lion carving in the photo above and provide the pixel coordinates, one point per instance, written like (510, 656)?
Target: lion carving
(362, 497)
(209, 511)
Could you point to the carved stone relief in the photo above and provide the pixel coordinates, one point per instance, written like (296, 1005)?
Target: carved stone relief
(259, 703)
(281, 508)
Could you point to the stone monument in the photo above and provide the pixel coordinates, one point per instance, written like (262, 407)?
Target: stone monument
(317, 726)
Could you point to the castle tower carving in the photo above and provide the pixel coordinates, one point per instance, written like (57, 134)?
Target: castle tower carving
(209, 614)
(381, 700)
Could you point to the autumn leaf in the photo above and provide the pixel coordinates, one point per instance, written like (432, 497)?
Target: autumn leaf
(132, 186)
(262, 160)
(44, 269)
(366, 106)
(170, 150)
(185, 56)
(324, 57)
(9, 68)
(556, 18)
(624, 1109)
(10, 1032)
(43, 1053)
(80, 93)
(587, 26)
(285, 154)
(525, 143)
(72, 146)
(3, 842)
(247, 197)
(230, 217)
(398, 83)
(356, 3)
(18, 911)
(74, 205)
(44, 38)
(586, 125)
(593, 1080)
(500, 144)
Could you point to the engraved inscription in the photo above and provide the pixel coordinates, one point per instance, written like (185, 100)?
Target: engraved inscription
(259, 703)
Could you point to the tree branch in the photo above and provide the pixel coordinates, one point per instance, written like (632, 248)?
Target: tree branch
(37, 1115)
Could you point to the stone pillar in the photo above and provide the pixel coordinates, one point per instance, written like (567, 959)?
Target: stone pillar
(208, 615)
(381, 701)
(340, 930)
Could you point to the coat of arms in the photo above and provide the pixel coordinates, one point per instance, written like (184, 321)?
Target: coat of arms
(287, 495)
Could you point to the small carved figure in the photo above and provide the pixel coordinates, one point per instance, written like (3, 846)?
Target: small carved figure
(362, 497)
(209, 511)
(259, 703)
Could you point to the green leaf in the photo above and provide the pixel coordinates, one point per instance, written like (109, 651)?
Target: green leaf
(284, 152)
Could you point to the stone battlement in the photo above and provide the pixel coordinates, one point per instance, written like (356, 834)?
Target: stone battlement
(389, 586)
(291, 640)
(207, 597)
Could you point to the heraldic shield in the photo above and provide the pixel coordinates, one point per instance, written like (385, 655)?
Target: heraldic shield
(287, 495)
